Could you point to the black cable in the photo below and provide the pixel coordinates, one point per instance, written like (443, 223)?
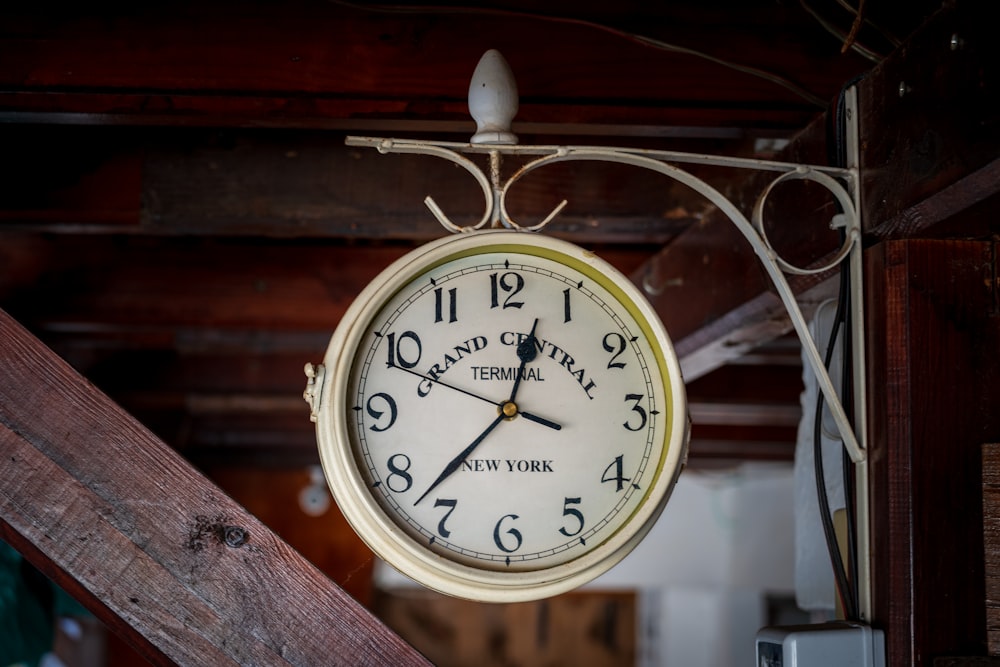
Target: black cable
(847, 597)
(846, 465)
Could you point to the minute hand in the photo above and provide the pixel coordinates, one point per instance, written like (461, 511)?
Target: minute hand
(457, 461)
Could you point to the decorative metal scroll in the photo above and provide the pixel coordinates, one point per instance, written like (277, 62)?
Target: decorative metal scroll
(841, 183)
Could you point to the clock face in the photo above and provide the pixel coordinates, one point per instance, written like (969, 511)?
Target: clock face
(511, 414)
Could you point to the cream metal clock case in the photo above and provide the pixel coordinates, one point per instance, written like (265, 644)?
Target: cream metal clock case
(500, 415)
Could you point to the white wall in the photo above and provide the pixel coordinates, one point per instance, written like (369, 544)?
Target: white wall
(723, 542)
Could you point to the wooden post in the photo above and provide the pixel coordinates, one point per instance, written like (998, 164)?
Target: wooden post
(933, 335)
(991, 544)
(160, 554)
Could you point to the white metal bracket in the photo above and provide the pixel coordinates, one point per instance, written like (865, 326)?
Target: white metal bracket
(841, 183)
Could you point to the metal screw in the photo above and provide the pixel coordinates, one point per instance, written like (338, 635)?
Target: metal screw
(904, 89)
(956, 43)
(234, 536)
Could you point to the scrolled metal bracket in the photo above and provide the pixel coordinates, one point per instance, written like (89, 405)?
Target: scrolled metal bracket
(840, 182)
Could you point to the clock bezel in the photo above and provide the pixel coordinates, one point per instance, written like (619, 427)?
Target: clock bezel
(379, 531)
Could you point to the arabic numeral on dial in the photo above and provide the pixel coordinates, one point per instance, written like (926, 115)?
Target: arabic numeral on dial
(513, 532)
(615, 344)
(450, 503)
(613, 473)
(398, 471)
(402, 353)
(638, 409)
(439, 304)
(575, 513)
(372, 408)
(509, 282)
(567, 316)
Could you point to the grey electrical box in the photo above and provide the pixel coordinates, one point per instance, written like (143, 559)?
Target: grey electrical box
(838, 644)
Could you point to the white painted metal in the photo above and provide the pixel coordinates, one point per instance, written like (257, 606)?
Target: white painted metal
(493, 100)
(660, 161)
(493, 86)
(859, 370)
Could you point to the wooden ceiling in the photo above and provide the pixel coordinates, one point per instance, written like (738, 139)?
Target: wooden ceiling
(181, 220)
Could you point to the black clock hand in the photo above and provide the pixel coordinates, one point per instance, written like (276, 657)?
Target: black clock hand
(457, 461)
(530, 417)
(527, 350)
(443, 384)
(539, 420)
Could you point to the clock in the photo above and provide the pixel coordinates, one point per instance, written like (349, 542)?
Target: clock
(500, 415)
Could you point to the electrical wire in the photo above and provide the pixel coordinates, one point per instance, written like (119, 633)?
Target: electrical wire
(624, 34)
(889, 37)
(844, 589)
(839, 34)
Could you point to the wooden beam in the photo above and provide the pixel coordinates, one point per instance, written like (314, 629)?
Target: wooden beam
(305, 184)
(165, 558)
(708, 285)
(991, 543)
(932, 310)
(310, 64)
(927, 155)
(928, 129)
(188, 292)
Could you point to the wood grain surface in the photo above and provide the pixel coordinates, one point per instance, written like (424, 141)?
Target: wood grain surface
(160, 554)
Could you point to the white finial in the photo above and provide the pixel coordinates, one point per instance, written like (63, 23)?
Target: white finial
(493, 100)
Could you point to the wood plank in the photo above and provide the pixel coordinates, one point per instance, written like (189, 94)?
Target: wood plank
(305, 185)
(710, 269)
(310, 184)
(312, 61)
(933, 319)
(928, 127)
(172, 291)
(272, 494)
(991, 544)
(159, 553)
(90, 284)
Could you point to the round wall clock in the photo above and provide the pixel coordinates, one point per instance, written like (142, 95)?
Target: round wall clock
(500, 416)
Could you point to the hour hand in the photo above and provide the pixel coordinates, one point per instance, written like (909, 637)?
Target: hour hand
(442, 383)
(539, 420)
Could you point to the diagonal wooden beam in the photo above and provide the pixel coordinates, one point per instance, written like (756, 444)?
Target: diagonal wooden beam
(708, 285)
(154, 549)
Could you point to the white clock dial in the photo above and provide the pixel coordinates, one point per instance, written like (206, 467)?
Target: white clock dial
(511, 417)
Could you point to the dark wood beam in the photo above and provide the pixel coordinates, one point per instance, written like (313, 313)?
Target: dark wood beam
(314, 64)
(929, 132)
(927, 155)
(708, 284)
(306, 184)
(160, 554)
(933, 333)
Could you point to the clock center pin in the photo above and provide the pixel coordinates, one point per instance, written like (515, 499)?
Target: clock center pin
(509, 409)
